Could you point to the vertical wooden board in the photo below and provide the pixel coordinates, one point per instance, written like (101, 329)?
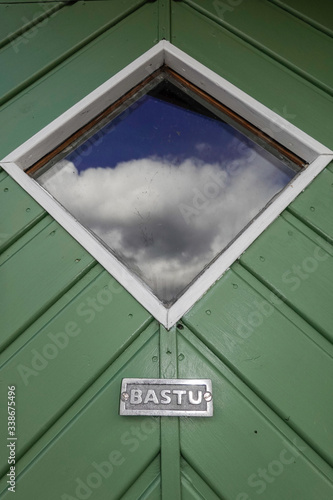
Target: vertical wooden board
(164, 11)
(315, 205)
(253, 72)
(26, 60)
(80, 74)
(287, 42)
(170, 454)
(93, 450)
(148, 484)
(19, 212)
(33, 278)
(16, 19)
(319, 14)
(70, 351)
(297, 265)
(240, 322)
(240, 445)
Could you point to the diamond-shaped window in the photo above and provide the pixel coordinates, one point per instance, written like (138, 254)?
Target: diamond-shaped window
(167, 178)
(166, 181)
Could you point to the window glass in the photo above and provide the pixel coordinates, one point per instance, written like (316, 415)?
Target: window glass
(166, 183)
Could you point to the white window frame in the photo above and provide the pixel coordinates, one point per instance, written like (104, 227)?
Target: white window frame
(314, 153)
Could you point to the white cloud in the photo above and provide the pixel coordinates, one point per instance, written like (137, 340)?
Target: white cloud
(137, 208)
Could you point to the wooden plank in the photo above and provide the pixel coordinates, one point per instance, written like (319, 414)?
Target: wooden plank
(48, 316)
(91, 444)
(69, 2)
(253, 72)
(330, 167)
(23, 2)
(148, 485)
(217, 448)
(19, 212)
(193, 486)
(170, 454)
(25, 238)
(287, 42)
(16, 19)
(315, 206)
(297, 264)
(3, 174)
(79, 24)
(318, 14)
(164, 15)
(38, 275)
(89, 331)
(272, 351)
(83, 72)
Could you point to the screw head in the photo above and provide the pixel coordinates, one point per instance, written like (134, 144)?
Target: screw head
(208, 396)
(125, 396)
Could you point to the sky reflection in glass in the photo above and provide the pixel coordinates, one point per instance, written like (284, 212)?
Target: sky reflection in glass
(166, 186)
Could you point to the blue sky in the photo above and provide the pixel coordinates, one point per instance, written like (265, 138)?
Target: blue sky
(156, 128)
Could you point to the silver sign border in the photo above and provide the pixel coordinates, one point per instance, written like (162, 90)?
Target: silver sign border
(167, 413)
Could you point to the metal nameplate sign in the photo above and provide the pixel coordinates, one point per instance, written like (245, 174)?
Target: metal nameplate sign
(166, 397)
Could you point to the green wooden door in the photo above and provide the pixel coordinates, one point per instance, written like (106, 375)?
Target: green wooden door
(263, 333)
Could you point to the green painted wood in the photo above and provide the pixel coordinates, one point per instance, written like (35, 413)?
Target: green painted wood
(66, 2)
(49, 315)
(23, 2)
(244, 441)
(19, 212)
(74, 420)
(330, 167)
(318, 14)
(26, 60)
(170, 455)
(86, 335)
(315, 206)
(249, 329)
(253, 72)
(193, 486)
(3, 175)
(25, 238)
(164, 16)
(148, 485)
(290, 39)
(91, 444)
(82, 73)
(36, 276)
(16, 19)
(168, 353)
(297, 265)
